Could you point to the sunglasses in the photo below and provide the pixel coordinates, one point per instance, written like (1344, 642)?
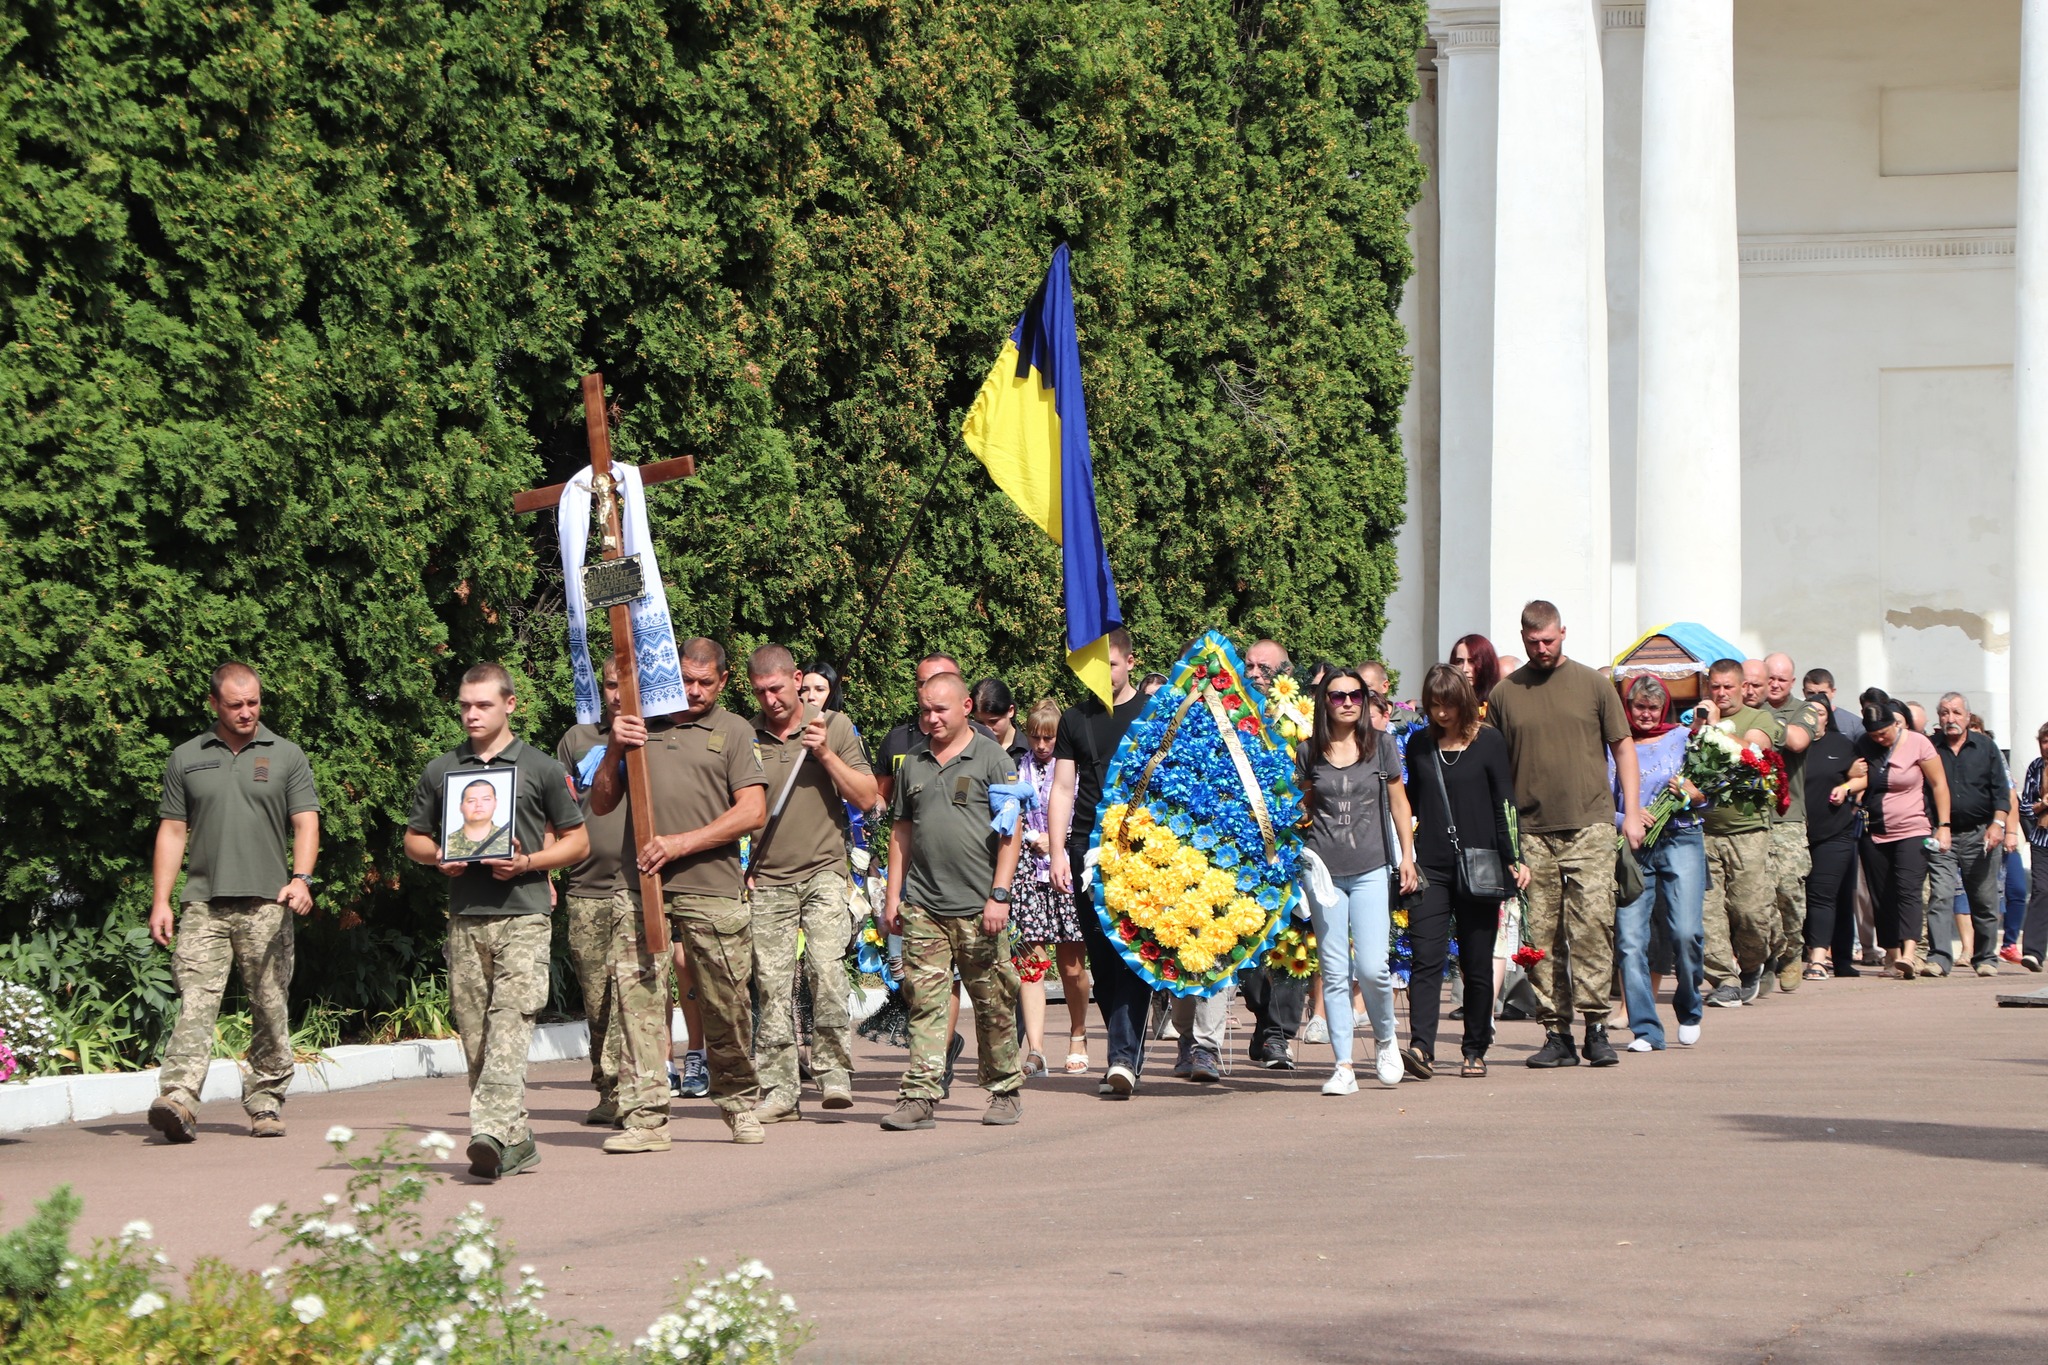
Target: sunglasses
(1348, 697)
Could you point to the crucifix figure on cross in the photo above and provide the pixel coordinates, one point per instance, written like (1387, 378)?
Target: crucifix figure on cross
(605, 483)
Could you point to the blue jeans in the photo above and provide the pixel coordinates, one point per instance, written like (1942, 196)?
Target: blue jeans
(1675, 886)
(1353, 939)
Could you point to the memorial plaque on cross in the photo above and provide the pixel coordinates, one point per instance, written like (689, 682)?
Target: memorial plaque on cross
(604, 491)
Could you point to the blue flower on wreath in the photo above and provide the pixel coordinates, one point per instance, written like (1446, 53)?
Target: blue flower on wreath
(1226, 855)
(1206, 837)
(1248, 878)
(1180, 824)
(1271, 898)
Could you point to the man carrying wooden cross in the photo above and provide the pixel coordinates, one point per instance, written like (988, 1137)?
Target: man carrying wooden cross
(708, 791)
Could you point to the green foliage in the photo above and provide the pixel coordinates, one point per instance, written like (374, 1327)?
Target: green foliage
(360, 1278)
(32, 1255)
(296, 296)
(423, 1013)
(315, 1029)
(112, 1000)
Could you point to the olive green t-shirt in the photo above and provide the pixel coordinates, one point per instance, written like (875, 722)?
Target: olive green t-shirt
(543, 801)
(809, 836)
(237, 809)
(1795, 714)
(1558, 725)
(696, 768)
(1724, 820)
(603, 872)
(952, 847)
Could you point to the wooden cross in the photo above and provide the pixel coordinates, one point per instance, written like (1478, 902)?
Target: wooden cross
(653, 919)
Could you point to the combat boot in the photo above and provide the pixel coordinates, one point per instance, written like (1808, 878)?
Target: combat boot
(745, 1127)
(486, 1154)
(266, 1125)
(777, 1113)
(172, 1119)
(1598, 1051)
(522, 1155)
(1004, 1109)
(637, 1140)
(605, 1114)
(912, 1112)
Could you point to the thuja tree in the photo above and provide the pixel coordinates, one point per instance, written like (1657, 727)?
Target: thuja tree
(297, 296)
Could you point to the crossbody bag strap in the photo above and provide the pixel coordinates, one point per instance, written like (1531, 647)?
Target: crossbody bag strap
(1387, 820)
(1450, 820)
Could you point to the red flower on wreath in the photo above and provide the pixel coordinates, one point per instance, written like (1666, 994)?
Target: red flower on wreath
(1528, 955)
(1224, 682)
(1150, 952)
(1201, 670)
(1126, 930)
(1168, 971)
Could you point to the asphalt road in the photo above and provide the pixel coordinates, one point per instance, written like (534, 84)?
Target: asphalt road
(1854, 1173)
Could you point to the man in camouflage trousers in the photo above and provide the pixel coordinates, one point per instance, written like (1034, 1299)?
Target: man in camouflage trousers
(231, 797)
(498, 935)
(708, 792)
(798, 883)
(595, 895)
(1791, 860)
(949, 897)
(1741, 912)
(1562, 721)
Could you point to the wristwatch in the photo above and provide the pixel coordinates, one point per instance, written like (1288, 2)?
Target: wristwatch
(1000, 895)
(308, 878)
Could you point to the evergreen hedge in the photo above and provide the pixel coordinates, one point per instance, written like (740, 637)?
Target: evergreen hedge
(298, 294)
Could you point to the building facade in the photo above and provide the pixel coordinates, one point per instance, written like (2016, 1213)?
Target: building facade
(1715, 317)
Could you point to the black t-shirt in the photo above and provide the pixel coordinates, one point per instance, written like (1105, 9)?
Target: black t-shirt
(1479, 786)
(1828, 760)
(1089, 734)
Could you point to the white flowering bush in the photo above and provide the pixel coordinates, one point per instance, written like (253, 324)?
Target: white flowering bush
(28, 1031)
(361, 1278)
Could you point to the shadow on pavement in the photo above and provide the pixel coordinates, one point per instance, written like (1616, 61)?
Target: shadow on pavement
(1958, 1141)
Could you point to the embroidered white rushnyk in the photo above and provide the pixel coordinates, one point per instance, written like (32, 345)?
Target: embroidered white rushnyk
(654, 638)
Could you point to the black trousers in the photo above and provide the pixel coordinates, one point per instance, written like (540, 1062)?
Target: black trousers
(2034, 935)
(1120, 993)
(1897, 869)
(1429, 934)
(1831, 897)
(1277, 1002)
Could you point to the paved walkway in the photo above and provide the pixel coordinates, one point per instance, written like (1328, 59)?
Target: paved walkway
(1855, 1173)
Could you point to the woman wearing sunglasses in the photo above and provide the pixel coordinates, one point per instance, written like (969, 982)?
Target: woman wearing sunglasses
(1359, 829)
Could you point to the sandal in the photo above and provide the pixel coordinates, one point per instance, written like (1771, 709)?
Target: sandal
(1418, 1065)
(1034, 1062)
(1474, 1068)
(1814, 972)
(1077, 1054)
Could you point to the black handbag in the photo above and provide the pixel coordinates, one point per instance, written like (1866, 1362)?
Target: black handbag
(1482, 873)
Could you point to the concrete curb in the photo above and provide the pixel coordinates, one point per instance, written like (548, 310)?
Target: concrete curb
(52, 1100)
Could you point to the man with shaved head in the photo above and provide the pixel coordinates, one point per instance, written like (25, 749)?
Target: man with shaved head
(235, 799)
(1791, 859)
(949, 897)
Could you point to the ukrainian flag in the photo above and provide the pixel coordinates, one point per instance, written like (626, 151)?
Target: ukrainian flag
(1029, 426)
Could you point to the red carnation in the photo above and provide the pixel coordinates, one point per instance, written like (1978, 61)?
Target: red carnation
(1233, 700)
(1528, 955)
(1250, 725)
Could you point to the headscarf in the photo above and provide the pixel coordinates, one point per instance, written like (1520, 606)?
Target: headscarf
(1663, 725)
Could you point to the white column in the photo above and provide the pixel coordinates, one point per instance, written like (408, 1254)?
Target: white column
(1621, 80)
(1551, 529)
(2030, 392)
(1409, 644)
(1689, 399)
(1468, 68)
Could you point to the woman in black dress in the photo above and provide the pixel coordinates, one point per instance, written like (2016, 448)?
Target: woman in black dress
(1458, 772)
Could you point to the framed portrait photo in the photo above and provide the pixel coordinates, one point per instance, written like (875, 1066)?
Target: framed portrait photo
(477, 805)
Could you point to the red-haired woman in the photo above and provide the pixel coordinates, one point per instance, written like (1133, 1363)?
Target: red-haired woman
(1474, 658)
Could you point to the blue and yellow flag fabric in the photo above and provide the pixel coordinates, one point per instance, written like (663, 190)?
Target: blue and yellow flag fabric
(1029, 426)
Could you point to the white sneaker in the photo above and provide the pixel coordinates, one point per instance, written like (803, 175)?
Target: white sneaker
(1315, 1031)
(1341, 1082)
(1688, 1034)
(1388, 1063)
(1641, 1045)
